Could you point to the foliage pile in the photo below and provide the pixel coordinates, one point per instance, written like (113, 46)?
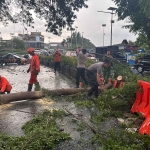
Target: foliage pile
(114, 103)
(40, 133)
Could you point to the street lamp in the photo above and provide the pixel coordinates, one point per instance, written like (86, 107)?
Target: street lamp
(12, 34)
(82, 39)
(76, 34)
(49, 42)
(68, 43)
(103, 25)
(71, 38)
(112, 21)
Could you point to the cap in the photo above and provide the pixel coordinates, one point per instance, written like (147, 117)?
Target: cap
(119, 78)
(31, 49)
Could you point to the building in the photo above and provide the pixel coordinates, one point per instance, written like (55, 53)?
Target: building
(35, 39)
(57, 45)
(52, 46)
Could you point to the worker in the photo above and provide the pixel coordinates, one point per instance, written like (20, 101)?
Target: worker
(119, 82)
(107, 71)
(57, 60)
(5, 86)
(34, 69)
(95, 77)
(81, 58)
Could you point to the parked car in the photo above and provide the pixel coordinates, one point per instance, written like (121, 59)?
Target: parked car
(142, 63)
(71, 53)
(117, 55)
(12, 58)
(38, 52)
(120, 57)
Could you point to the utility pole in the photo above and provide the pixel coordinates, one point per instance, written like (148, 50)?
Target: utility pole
(71, 38)
(82, 39)
(12, 34)
(103, 25)
(112, 21)
(76, 34)
(49, 42)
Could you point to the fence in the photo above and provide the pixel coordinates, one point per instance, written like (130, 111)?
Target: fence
(67, 70)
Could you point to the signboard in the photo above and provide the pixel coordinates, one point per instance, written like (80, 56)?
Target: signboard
(130, 59)
(37, 38)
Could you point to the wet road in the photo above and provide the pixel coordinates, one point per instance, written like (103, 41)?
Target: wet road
(14, 115)
(19, 78)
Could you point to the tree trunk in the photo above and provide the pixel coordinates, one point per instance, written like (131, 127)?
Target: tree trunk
(67, 91)
(7, 98)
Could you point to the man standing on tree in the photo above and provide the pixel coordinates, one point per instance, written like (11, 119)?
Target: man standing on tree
(81, 58)
(95, 76)
(57, 56)
(34, 69)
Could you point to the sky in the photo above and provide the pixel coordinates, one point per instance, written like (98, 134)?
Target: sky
(89, 22)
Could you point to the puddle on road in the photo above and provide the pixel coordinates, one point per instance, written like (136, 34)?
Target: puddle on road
(19, 78)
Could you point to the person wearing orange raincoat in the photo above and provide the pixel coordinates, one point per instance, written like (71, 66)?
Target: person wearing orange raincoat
(5, 86)
(57, 60)
(34, 69)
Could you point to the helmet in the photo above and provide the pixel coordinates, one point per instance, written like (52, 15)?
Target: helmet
(119, 78)
(30, 49)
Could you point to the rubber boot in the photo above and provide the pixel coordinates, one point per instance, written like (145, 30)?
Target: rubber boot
(37, 86)
(30, 87)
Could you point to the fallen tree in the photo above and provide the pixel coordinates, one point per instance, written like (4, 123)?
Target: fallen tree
(7, 98)
(68, 91)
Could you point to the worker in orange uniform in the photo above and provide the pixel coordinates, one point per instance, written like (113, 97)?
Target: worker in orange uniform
(34, 69)
(119, 82)
(5, 86)
(57, 56)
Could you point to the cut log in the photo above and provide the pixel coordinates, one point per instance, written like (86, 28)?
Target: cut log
(7, 98)
(68, 91)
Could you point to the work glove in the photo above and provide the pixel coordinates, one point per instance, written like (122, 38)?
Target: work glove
(28, 70)
(36, 72)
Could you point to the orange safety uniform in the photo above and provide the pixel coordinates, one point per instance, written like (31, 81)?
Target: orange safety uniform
(116, 85)
(5, 86)
(34, 66)
(57, 57)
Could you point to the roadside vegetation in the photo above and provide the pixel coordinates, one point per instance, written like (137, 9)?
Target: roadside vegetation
(114, 104)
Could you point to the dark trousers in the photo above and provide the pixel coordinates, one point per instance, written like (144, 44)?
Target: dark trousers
(57, 65)
(81, 73)
(92, 79)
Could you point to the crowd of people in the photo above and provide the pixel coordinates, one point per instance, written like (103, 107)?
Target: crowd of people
(94, 76)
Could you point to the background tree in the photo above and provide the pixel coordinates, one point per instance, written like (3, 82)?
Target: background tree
(131, 42)
(133, 10)
(145, 5)
(58, 14)
(142, 42)
(86, 42)
(18, 44)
